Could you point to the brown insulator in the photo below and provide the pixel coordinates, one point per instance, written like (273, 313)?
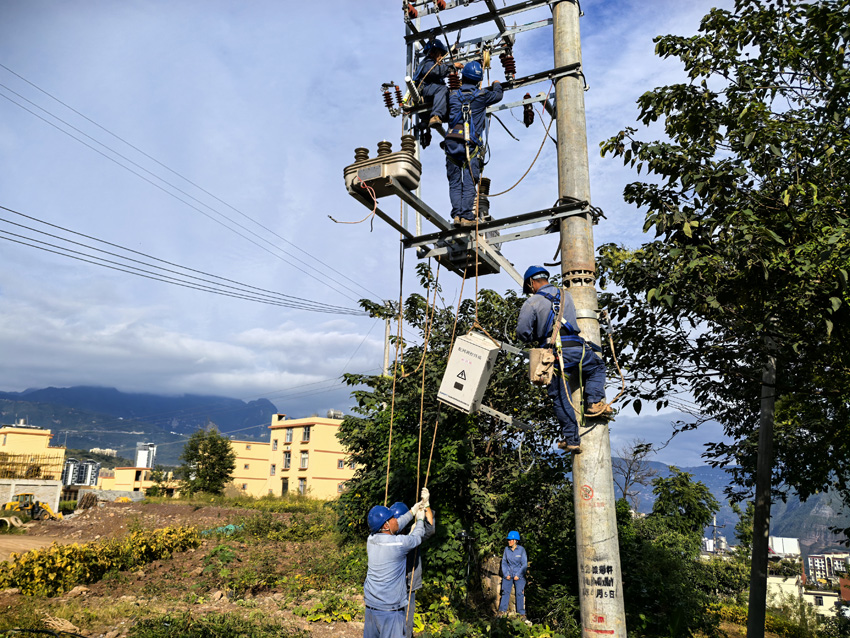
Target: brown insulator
(424, 137)
(527, 112)
(509, 64)
(484, 186)
(388, 99)
(412, 13)
(361, 154)
(384, 148)
(440, 4)
(408, 144)
(454, 81)
(398, 97)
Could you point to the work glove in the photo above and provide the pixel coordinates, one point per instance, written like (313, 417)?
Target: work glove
(415, 509)
(426, 496)
(420, 513)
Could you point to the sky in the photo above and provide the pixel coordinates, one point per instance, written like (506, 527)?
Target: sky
(212, 135)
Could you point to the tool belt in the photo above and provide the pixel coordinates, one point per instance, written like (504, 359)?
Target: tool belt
(541, 361)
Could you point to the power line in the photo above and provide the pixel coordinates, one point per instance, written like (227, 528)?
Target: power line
(252, 293)
(166, 191)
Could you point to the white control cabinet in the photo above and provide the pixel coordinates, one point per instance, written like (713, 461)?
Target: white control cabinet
(468, 371)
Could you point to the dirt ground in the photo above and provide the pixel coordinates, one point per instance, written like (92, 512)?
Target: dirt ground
(179, 583)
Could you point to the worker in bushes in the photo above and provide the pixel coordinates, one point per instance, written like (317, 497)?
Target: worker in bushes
(385, 588)
(514, 567)
(414, 558)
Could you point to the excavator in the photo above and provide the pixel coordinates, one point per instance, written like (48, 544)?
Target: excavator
(26, 504)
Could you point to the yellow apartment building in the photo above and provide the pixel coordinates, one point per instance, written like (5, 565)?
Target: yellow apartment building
(133, 479)
(251, 474)
(307, 458)
(25, 452)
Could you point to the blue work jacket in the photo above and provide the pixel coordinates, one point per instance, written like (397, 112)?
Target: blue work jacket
(514, 562)
(431, 72)
(477, 112)
(534, 315)
(385, 587)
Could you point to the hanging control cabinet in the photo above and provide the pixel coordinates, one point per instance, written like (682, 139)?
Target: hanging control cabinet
(468, 371)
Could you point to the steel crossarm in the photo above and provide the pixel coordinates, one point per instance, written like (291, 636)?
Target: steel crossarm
(451, 27)
(542, 97)
(522, 425)
(419, 206)
(369, 204)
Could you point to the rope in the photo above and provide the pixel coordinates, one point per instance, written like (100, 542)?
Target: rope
(374, 207)
(429, 322)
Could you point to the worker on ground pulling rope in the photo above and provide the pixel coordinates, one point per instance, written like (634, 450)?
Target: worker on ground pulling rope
(384, 590)
(535, 326)
(514, 568)
(414, 558)
(430, 79)
(464, 144)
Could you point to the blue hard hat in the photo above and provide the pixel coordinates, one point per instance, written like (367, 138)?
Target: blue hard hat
(434, 44)
(472, 72)
(399, 509)
(529, 273)
(377, 516)
(513, 536)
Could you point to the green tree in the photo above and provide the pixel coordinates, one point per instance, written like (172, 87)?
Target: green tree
(744, 528)
(741, 300)
(687, 506)
(208, 462)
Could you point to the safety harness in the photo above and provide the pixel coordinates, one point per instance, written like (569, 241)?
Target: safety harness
(569, 333)
(462, 128)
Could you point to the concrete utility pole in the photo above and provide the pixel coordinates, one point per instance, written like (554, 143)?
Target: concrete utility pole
(600, 577)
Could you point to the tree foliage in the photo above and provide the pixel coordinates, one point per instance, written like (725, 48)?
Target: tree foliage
(208, 462)
(747, 201)
(686, 506)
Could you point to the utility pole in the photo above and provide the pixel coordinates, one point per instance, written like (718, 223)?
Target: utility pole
(600, 577)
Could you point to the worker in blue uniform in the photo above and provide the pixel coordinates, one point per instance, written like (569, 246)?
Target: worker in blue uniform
(464, 144)
(430, 79)
(385, 589)
(514, 568)
(534, 326)
(414, 558)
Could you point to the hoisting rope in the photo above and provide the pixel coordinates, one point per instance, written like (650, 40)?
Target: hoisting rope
(429, 322)
(374, 205)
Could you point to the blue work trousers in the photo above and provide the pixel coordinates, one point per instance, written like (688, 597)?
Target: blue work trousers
(592, 376)
(462, 178)
(411, 609)
(439, 92)
(383, 624)
(519, 586)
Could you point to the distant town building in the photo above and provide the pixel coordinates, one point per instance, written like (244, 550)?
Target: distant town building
(715, 545)
(828, 564)
(80, 473)
(105, 451)
(25, 452)
(784, 547)
(145, 454)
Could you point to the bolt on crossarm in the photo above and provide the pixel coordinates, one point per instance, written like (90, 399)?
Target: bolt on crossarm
(600, 577)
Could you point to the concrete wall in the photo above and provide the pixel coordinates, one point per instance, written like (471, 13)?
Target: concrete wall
(45, 491)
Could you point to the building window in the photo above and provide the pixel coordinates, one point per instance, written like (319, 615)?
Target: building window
(272, 469)
(274, 445)
(284, 486)
(306, 435)
(302, 486)
(340, 487)
(4, 438)
(246, 466)
(304, 460)
(352, 465)
(288, 438)
(340, 464)
(244, 486)
(818, 601)
(248, 446)
(287, 459)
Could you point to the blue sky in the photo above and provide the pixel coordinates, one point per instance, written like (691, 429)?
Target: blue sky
(261, 105)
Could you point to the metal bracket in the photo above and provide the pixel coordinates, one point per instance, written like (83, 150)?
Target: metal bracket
(504, 418)
(587, 314)
(451, 27)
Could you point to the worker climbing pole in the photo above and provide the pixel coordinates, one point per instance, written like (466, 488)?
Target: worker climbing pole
(472, 250)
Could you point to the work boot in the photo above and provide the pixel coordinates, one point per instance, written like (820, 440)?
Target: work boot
(435, 122)
(566, 447)
(460, 221)
(599, 409)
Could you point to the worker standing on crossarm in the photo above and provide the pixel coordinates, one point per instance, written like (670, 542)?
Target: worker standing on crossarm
(464, 144)
(430, 79)
(534, 326)
(414, 558)
(385, 590)
(514, 568)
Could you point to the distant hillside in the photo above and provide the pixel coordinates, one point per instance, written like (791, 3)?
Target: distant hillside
(809, 521)
(85, 417)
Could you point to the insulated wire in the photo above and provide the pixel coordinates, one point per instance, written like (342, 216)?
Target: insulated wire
(296, 301)
(166, 191)
(186, 179)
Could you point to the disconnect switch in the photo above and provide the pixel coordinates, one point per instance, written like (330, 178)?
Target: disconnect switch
(468, 371)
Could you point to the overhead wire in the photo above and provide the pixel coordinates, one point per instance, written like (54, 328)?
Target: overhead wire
(322, 281)
(181, 176)
(253, 293)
